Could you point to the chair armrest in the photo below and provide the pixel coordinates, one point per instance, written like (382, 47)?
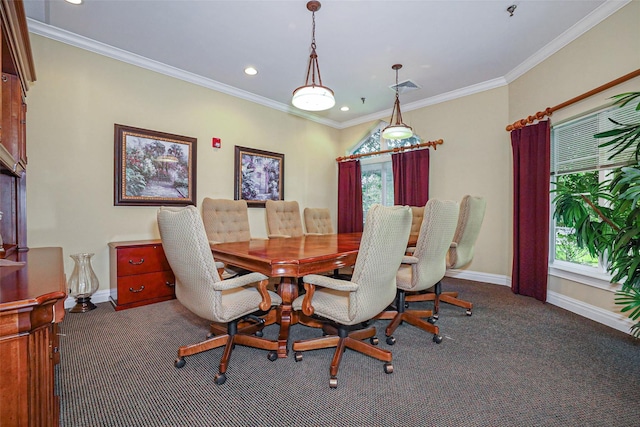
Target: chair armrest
(278, 236)
(408, 259)
(313, 280)
(239, 281)
(313, 234)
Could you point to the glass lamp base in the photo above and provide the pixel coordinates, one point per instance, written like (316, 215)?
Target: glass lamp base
(83, 305)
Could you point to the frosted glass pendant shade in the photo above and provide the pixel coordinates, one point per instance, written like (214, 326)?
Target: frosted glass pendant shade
(397, 132)
(313, 98)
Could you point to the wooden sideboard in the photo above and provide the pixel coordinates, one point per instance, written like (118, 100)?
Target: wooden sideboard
(31, 306)
(139, 274)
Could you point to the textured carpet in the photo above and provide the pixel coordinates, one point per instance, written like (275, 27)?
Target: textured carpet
(515, 362)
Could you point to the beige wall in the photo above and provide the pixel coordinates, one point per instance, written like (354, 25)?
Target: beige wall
(77, 98)
(80, 95)
(606, 52)
(475, 158)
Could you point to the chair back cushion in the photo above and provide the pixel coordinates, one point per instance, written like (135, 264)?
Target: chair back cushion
(436, 234)
(185, 244)
(416, 222)
(226, 220)
(283, 218)
(384, 240)
(318, 220)
(469, 223)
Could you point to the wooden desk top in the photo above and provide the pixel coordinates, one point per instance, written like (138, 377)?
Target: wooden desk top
(292, 256)
(39, 281)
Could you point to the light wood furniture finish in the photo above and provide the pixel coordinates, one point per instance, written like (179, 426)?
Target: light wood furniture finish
(31, 305)
(139, 274)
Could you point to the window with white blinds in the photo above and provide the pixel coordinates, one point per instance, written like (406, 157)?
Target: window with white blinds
(574, 148)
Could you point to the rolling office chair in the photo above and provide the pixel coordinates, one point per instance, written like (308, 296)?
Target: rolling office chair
(283, 219)
(346, 305)
(460, 254)
(226, 221)
(201, 290)
(425, 267)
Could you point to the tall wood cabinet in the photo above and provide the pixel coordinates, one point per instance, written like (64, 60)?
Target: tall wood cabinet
(32, 281)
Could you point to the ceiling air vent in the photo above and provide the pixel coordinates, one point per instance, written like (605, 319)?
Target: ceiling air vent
(405, 86)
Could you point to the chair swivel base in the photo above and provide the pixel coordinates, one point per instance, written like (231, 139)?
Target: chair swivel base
(447, 297)
(343, 340)
(233, 336)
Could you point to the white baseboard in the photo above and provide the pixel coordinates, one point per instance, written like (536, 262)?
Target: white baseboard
(597, 314)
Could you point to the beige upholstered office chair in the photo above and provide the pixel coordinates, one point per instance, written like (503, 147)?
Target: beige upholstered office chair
(283, 219)
(318, 221)
(425, 267)
(416, 222)
(226, 221)
(347, 304)
(200, 289)
(461, 251)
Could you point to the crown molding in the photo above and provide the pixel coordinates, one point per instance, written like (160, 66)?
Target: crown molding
(585, 24)
(67, 37)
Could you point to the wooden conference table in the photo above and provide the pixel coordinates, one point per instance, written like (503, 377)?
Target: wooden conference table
(290, 258)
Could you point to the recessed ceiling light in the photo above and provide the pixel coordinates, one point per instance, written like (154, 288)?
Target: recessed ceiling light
(345, 108)
(74, 1)
(250, 71)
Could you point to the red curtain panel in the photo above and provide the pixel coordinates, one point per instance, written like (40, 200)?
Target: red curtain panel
(531, 169)
(411, 177)
(349, 197)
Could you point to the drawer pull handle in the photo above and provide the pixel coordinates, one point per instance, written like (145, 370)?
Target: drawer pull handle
(136, 263)
(171, 285)
(135, 291)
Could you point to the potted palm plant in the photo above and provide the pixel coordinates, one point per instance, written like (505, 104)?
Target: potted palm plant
(606, 215)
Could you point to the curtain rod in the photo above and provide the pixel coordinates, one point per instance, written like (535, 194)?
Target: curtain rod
(394, 150)
(547, 112)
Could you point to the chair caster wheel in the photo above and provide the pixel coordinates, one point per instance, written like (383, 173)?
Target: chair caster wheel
(298, 356)
(436, 316)
(437, 339)
(432, 320)
(220, 379)
(179, 362)
(333, 382)
(210, 335)
(468, 312)
(272, 355)
(374, 340)
(388, 368)
(259, 334)
(406, 305)
(391, 340)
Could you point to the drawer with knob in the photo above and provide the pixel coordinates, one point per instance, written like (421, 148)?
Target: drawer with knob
(139, 273)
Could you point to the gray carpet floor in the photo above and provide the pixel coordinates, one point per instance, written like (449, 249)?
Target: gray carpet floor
(515, 362)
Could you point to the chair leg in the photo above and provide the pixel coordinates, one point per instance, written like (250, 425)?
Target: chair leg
(413, 317)
(342, 340)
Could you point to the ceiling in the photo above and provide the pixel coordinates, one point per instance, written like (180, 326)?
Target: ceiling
(448, 48)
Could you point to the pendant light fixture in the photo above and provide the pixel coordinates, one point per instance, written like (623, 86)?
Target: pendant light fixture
(313, 96)
(397, 129)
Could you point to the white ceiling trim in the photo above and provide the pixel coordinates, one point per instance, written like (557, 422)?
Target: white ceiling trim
(594, 18)
(67, 37)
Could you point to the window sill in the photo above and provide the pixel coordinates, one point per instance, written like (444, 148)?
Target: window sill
(585, 276)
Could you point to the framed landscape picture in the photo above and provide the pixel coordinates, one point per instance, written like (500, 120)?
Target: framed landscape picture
(259, 176)
(153, 168)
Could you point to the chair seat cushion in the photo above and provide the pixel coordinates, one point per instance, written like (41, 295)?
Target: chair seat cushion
(241, 301)
(329, 304)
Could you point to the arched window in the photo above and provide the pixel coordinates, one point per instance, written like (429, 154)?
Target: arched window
(377, 175)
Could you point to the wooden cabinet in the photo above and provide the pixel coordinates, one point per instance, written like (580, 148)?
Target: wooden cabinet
(139, 274)
(31, 306)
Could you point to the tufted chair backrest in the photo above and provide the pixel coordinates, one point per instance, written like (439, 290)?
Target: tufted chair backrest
(318, 221)
(283, 219)
(416, 222)
(226, 220)
(469, 222)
